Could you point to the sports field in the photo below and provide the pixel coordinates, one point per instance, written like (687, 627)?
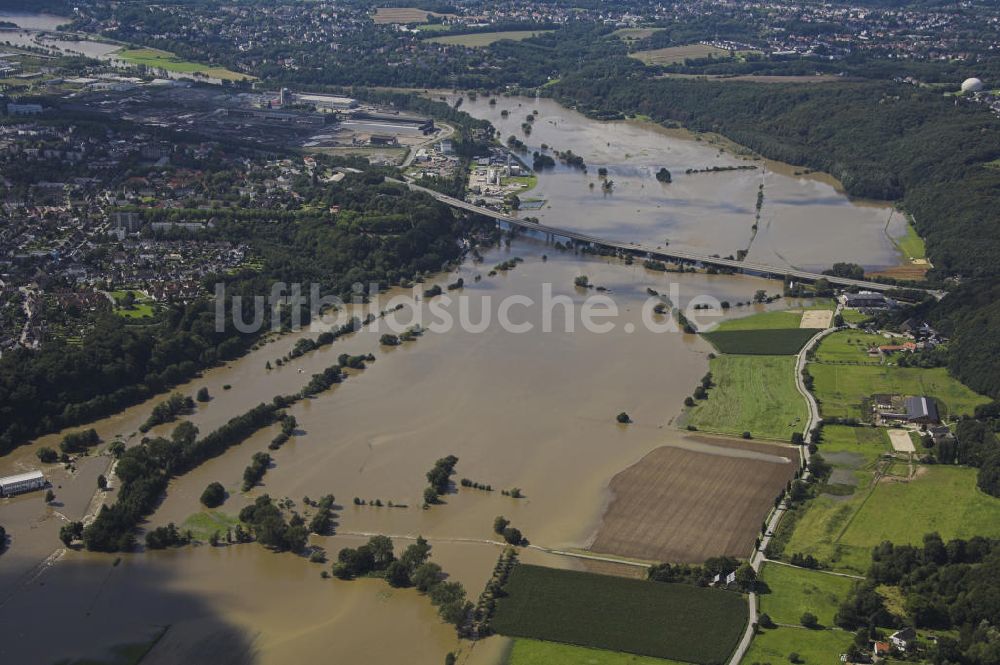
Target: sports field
(691, 501)
(755, 394)
(841, 389)
(537, 652)
(682, 622)
(795, 591)
(158, 59)
(841, 531)
(482, 39)
(678, 54)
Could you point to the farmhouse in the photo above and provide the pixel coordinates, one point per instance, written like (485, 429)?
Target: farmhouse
(918, 410)
(904, 639)
(893, 348)
(22, 482)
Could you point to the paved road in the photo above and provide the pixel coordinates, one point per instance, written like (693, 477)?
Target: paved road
(653, 252)
(758, 557)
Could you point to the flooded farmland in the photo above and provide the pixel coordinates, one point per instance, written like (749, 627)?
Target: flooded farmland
(533, 410)
(523, 408)
(806, 220)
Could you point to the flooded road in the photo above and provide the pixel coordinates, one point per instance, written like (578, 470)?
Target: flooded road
(806, 220)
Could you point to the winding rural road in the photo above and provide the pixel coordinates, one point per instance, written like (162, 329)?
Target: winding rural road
(758, 557)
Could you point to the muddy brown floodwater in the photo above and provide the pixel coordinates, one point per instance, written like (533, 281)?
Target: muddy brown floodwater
(806, 220)
(534, 410)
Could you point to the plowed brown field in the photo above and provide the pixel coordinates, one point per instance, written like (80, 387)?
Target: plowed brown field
(705, 497)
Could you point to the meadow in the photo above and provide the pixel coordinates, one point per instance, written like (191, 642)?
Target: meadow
(849, 346)
(678, 54)
(483, 39)
(675, 621)
(764, 320)
(854, 316)
(762, 341)
(795, 591)
(158, 59)
(755, 394)
(840, 531)
(814, 647)
(841, 389)
(537, 652)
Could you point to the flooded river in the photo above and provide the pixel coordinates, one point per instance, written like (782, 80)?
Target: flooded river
(806, 220)
(519, 406)
(534, 410)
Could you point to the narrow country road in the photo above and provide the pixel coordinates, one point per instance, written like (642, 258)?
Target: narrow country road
(758, 557)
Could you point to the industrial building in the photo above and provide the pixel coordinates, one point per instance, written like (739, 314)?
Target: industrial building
(331, 102)
(22, 482)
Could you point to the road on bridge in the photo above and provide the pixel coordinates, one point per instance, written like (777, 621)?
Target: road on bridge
(747, 267)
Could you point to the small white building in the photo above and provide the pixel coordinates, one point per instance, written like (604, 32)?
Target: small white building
(22, 482)
(904, 639)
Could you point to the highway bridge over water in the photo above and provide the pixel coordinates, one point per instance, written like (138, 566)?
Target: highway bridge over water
(654, 253)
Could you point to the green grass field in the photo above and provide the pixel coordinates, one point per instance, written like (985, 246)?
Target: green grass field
(840, 389)
(814, 647)
(538, 652)
(849, 346)
(142, 307)
(677, 621)
(840, 531)
(678, 54)
(165, 60)
(795, 591)
(912, 245)
(854, 316)
(483, 39)
(752, 393)
(764, 341)
(866, 442)
(204, 523)
(763, 321)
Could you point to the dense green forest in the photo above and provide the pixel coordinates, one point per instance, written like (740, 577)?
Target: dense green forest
(945, 586)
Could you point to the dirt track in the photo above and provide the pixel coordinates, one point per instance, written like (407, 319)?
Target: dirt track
(685, 505)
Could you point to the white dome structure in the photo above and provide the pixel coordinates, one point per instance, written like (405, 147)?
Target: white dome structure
(972, 85)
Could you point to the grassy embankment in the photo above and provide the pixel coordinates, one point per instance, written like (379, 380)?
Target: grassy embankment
(675, 621)
(158, 59)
